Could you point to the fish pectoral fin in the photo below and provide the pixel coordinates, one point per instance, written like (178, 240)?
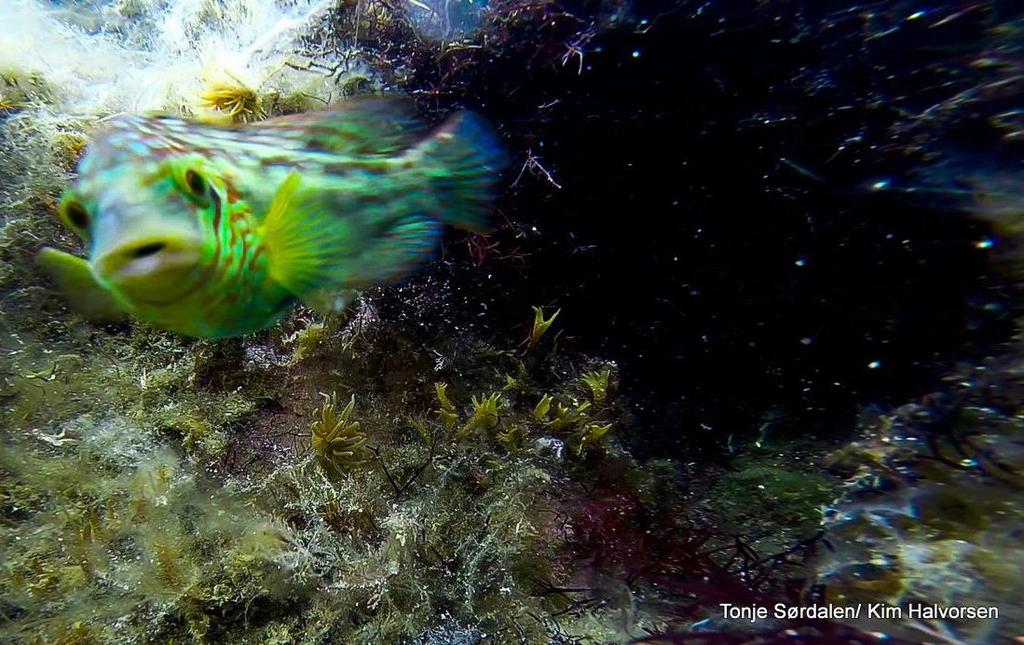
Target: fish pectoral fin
(317, 255)
(302, 240)
(74, 277)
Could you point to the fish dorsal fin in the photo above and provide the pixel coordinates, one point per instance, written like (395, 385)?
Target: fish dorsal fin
(316, 255)
(74, 277)
(360, 126)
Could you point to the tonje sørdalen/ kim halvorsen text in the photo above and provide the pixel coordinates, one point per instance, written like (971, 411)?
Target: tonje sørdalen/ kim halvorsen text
(875, 610)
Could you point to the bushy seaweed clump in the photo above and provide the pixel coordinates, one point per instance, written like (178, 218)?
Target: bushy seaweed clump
(232, 99)
(198, 490)
(208, 490)
(336, 440)
(91, 537)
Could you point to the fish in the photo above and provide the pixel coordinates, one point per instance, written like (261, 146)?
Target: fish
(218, 231)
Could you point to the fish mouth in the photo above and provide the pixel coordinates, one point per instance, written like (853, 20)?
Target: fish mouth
(151, 270)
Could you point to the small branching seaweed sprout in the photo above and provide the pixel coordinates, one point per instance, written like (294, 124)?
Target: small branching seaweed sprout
(335, 438)
(540, 326)
(512, 439)
(485, 414)
(540, 411)
(598, 384)
(511, 384)
(590, 435)
(565, 417)
(447, 410)
(233, 99)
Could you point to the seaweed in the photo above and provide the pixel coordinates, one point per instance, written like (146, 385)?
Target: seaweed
(597, 382)
(540, 326)
(235, 101)
(336, 439)
(485, 414)
(446, 412)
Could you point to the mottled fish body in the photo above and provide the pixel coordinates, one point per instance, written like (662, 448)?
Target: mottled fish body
(214, 232)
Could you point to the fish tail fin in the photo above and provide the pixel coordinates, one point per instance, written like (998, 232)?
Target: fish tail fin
(465, 158)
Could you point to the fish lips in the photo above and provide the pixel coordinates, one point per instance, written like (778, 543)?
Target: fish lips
(151, 271)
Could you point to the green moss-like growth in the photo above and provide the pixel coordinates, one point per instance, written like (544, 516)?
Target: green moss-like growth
(21, 90)
(540, 411)
(107, 537)
(591, 435)
(773, 496)
(567, 417)
(207, 507)
(449, 417)
(201, 438)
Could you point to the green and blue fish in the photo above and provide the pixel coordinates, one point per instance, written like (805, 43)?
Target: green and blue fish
(214, 232)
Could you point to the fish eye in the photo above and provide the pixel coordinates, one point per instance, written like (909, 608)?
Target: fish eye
(76, 215)
(195, 183)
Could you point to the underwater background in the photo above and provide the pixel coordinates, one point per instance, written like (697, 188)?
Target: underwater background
(745, 331)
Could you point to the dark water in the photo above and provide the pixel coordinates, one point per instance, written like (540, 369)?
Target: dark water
(714, 230)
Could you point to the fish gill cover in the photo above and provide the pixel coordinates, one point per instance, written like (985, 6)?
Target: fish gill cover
(743, 330)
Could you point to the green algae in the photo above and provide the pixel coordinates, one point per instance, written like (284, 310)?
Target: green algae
(484, 415)
(96, 536)
(540, 326)
(20, 90)
(598, 384)
(184, 472)
(774, 495)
